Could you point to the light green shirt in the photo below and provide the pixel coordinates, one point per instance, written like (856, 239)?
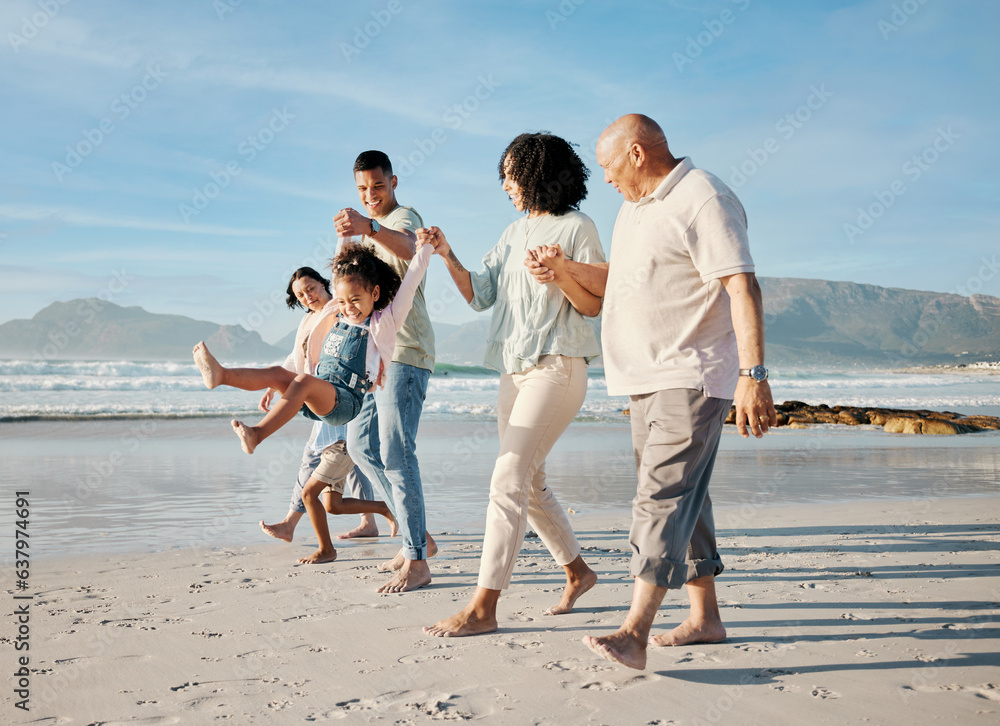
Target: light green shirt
(530, 319)
(415, 340)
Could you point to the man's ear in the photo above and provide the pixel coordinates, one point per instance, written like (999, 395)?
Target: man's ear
(393, 182)
(637, 154)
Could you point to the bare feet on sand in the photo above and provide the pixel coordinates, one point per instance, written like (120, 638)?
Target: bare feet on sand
(318, 557)
(573, 590)
(365, 529)
(211, 369)
(368, 528)
(466, 622)
(691, 631)
(412, 575)
(399, 560)
(623, 647)
(247, 434)
(282, 530)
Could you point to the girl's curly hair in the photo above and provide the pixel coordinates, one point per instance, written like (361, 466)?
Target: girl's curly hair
(359, 262)
(551, 175)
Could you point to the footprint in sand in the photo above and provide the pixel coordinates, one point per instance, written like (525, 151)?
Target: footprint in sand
(576, 665)
(818, 692)
(610, 686)
(989, 691)
(423, 658)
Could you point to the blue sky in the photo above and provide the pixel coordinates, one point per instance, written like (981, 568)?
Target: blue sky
(186, 156)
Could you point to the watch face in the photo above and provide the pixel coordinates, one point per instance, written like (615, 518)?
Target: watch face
(758, 373)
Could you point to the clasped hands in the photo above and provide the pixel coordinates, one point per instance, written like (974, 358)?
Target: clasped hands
(545, 263)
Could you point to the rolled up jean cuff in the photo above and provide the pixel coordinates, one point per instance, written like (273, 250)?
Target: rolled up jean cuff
(673, 575)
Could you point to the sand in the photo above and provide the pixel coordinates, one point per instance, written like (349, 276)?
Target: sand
(877, 612)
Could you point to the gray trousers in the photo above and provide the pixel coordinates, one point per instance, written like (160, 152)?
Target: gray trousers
(675, 436)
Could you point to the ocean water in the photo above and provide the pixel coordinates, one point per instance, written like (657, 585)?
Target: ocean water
(129, 455)
(40, 390)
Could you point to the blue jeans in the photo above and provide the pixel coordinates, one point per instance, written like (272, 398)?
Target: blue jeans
(386, 431)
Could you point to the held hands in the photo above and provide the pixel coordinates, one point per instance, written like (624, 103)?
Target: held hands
(434, 237)
(545, 262)
(350, 223)
(755, 407)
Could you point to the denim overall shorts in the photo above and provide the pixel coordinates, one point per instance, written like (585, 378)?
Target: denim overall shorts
(342, 363)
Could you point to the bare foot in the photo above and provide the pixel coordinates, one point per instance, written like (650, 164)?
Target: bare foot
(394, 564)
(318, 557)
(247, 434)
(690, 632)
(573, 590)
(622, 647)
(282, 530)
(411, 576)
(211, 369)
(362, 530)
(400, 559)
(466, 622)
(394, 528)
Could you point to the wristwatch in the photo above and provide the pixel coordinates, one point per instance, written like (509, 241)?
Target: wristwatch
(758, 373)
(375, 227)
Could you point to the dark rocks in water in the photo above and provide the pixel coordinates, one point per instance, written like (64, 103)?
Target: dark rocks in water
(796, 414)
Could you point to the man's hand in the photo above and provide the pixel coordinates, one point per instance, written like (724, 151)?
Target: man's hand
(553, 257)
(434, 237)
(350, 223)
(537, 263)
(755, 407)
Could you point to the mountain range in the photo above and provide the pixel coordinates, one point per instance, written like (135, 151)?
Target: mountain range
(807, 322)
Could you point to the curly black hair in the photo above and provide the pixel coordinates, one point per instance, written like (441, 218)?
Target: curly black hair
(359, 262)
(551, 175)
(292, 301)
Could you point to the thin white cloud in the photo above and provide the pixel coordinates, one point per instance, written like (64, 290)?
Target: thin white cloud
(31, 213)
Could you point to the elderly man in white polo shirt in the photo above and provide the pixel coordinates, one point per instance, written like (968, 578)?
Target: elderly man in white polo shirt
(683, 336)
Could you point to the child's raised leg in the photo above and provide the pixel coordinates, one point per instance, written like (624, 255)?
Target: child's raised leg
(319, 395)
(335, 503)
(295, 390)
(214, 374)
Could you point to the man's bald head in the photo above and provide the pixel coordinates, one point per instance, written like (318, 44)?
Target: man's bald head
(635, 128)
(634, 154)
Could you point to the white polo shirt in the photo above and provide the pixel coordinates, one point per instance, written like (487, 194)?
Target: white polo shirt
(667, 322)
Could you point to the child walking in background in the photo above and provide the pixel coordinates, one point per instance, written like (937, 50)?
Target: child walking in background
(356, 351)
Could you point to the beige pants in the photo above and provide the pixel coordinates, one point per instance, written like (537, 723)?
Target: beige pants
(533, 410)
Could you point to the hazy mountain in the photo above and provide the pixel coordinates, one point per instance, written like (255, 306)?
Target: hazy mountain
(819, 321)
(98, 330)
(463, 345)
(822, 322)
(807, 322)
(287, 342)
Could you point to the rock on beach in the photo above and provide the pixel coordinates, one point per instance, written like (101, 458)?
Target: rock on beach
(796, 414)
